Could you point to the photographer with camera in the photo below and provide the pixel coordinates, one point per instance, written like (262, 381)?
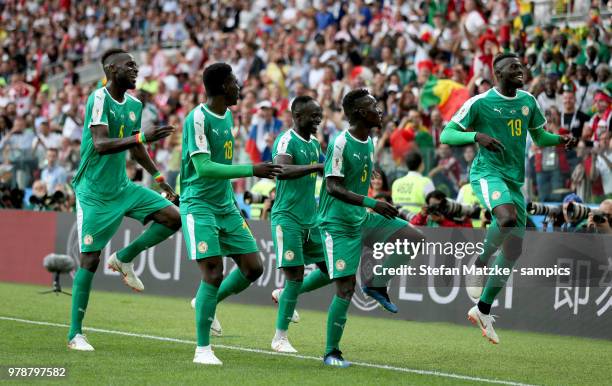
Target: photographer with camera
(572, 222)
(40, 201)
(601, 222)
(439, 211)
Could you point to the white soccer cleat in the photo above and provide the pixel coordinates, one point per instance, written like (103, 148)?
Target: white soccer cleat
(485, 323)
(474, 285)
(127, 272)
(283, 345)
(215, 327)
(206, 356)
(80, 343)
(276, 294)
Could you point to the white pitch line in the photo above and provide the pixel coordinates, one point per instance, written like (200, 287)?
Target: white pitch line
(265, 352)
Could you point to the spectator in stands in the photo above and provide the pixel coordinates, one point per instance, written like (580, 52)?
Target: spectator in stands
(45, 139)
(410, 191)
(263, 132)
(53, 174)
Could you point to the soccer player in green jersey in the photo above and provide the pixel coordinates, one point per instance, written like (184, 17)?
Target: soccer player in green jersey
(342, 217)
(500, 119)
(103, 191)
(297, 241)
(212, 224)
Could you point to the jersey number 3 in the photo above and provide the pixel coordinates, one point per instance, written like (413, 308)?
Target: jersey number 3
(516, 127)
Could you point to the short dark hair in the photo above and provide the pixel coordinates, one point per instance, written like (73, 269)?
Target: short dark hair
(413, 160)
(214, 77)
(435, 194)
(348, 103)
(301, 101)
(504, 56)
(111, 52)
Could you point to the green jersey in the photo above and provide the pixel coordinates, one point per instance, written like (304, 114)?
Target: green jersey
(104, 175)
(295, 198)
(351, 159)
(507, 120)
(209, 133)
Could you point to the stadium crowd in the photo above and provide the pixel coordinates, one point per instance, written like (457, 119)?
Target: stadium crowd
(403, 51)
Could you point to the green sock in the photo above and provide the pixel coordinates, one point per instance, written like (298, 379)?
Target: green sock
(205, 306)
(493, 239)
(286, 304)
(314, 280)
(495, 283)
(234, 283)
(80, 297)
(154, 235)
(336, 319)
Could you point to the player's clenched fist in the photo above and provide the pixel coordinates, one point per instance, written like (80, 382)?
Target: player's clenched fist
(489, 142)
(267, 170)
(385, 209)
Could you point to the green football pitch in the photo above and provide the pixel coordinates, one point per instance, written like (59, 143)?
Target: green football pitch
(142, 339)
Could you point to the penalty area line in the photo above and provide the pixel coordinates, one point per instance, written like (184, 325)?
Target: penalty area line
(265, 352)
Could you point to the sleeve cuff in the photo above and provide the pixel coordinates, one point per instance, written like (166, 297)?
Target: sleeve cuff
(198, 152)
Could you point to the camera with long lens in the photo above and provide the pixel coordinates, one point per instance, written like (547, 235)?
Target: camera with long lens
(539, 209)
(404, 214)
(453, 210)
(254, 198)
(46, 202)
(578, 212)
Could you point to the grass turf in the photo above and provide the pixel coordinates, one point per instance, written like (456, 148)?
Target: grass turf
(521, 357)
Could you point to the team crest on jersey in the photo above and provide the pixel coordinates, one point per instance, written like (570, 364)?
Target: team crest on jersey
(202, 247)
(289, 255)
(496, 195)
(340, 265)
(88, 239)
(525, 110)
(132, 116)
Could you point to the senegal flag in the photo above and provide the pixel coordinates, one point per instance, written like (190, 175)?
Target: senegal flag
(446, 94)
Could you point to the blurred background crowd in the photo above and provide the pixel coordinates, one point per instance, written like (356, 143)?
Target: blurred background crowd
(420, 58)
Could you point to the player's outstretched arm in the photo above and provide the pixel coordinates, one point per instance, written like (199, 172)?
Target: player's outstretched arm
(543, 138)
(335, 187)
(104, 145)
(207, 168)
(291, 171)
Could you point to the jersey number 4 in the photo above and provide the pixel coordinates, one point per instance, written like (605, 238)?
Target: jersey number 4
(516, 127)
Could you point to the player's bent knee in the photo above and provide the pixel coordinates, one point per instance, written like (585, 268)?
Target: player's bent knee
(253, 273)
(294, 273)
(345, 292)
(90, 261)
(507, 221)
